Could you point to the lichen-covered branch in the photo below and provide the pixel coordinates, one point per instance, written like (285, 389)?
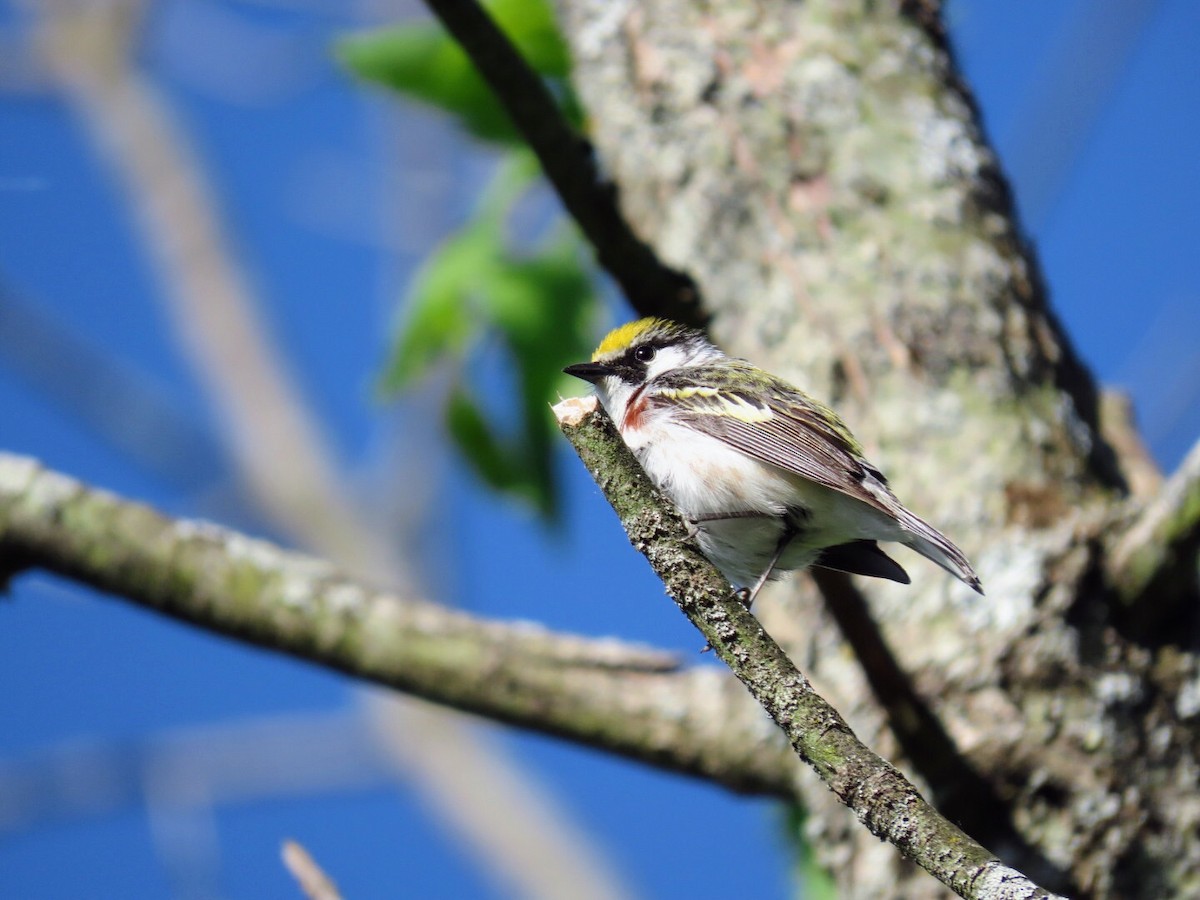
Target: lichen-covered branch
(879, 795)
(603, 693)
(1154, 562)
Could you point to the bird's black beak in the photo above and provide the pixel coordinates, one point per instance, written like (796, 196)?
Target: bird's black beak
(588, 371)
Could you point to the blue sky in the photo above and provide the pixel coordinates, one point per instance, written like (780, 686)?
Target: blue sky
(330, 195)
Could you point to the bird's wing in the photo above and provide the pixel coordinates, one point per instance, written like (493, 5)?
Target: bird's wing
(775, 423)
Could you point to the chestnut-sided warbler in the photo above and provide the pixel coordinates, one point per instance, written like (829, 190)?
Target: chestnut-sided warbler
(770, 479)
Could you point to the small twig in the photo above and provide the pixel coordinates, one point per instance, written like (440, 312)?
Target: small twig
(879, 795)
(310, 876)
(651, 287)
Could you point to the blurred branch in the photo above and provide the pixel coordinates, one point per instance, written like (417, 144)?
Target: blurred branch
(567, 159)
(214, 765)
(310, 876)
(1119, 427)
(1162, 368)
(609, 695)
(1153, 562)
(520, 860)
(123, 406)
(279, 449)
(1073, 86)
(879, 795)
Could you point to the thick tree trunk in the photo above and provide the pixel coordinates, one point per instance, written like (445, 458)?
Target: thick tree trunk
(820, 171)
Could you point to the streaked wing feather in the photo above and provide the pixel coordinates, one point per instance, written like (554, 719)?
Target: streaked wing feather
(785, 428)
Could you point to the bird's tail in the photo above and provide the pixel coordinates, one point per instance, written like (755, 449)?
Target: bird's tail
(934, 545)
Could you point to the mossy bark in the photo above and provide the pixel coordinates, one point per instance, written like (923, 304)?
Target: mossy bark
(878, 795)
(820, 171)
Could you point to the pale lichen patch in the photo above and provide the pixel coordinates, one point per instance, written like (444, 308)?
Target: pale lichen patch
(17, 473)
(199, 529)
(1118, 687)
(295, 592)
(48, 490)
(345, 598)
(1187, 701)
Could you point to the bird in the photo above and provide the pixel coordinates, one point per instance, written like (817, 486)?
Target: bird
(768, 479)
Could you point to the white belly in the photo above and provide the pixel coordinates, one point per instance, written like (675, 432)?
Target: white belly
(706, 479)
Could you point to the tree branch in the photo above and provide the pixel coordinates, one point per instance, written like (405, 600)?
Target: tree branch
(959, 789)
(1152, 563)
(310, 877)
(567, 159)
(1118, 424)
(603, 693)
(878, 794)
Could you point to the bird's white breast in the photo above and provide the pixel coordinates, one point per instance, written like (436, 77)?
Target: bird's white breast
(704, 476)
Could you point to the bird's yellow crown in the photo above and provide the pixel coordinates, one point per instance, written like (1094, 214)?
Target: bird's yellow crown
(622, 337)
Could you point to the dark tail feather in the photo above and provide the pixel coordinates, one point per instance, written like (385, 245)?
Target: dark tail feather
(862, 558)
(934, 545)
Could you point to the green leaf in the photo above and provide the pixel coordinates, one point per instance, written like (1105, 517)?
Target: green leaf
(518, 170)
(424, 63)
(474, 437)
(539, 304)
(442, 309)
(815, 880)
(503, 465)
(474, 286)
(542, 307)
(438, 323)
(531, 26)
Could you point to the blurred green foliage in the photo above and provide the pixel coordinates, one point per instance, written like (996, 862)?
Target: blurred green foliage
(424, 63)
(479, 287)
(813, 879)
(539, 303)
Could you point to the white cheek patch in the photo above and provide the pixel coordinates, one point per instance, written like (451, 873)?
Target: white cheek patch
(665, 360)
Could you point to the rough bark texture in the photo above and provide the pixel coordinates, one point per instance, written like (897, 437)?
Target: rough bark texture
(820, 172)
(878, 795)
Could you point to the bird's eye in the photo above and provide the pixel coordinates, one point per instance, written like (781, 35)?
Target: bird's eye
(644, 354)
